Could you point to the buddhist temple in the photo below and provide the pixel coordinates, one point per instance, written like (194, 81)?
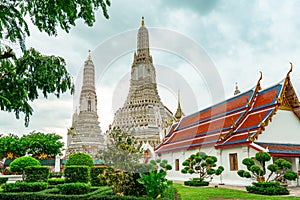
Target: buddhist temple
(85, 135)
(251, 121)
(143, 113)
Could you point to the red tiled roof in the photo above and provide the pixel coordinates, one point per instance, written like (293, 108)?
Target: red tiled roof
(191, 143)
(253, 120)
(262, 107)
(267, 97)
(276, 149)
(206, 126)
(235, 139)
(225, 107)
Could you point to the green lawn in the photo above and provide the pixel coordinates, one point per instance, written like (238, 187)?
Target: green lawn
(201, 193)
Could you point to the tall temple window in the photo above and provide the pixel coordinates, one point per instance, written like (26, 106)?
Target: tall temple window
(89, 105)
(233, 162)
(177, 165)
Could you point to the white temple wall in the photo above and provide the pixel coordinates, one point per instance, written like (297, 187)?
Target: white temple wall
(284, 128)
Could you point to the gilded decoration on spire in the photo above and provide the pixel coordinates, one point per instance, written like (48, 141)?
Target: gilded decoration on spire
(89, 55)
(143, 21)
(179, 112)
(290, 69)
(237, 91)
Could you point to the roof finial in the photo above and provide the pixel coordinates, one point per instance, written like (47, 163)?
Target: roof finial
(290, 69)
(89, 55)
(237, 91)
(258, 82)
(143, 21)
(260, 75)
(179, 112)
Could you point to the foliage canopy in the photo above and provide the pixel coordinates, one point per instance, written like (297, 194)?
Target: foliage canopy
(81, 159)
(22, 77)
(37, 144)
(123, 151)
(280, 170)
(19, 164)
(202, 164)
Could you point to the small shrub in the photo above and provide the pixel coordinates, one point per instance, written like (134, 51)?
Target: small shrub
(81, 159)
(202, 164)
(3, 180)
(56, 174)
(267, 188)
(37, 173)
(280, 169)
(196, 183)
(97, 180)
(56, 181)
(24, 186)
(266, 184)
(19, 164)
(125, 183)
(77, 174)
(74, 188)
(155, 181)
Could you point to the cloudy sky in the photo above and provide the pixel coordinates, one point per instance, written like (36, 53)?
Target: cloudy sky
(201, 48)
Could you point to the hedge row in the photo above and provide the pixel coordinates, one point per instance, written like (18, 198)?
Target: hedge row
(196, 183)
(52, 194)
(74, 188)
(267, 188)
(56, 174)
(24, 186)
(37, 173)
(3, 180)
(100, 194)
(95, 179)
(75, 174)
(56, 181)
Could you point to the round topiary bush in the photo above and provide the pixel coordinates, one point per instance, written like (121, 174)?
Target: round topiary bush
(19, 164)
(80, 158)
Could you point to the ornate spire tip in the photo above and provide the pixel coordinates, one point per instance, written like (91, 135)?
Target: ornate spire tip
(89, 55)
(143, 21)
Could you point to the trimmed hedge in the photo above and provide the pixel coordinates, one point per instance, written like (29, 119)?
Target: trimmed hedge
(19, 164)
(3, 180)
(81, 159)
(74, 188)
(266, 184)
(56, 174)
(95, 179)
(74, 174)
(37, 174)
(196, 183)
(52, 194)
(56, 181)
(24, 186)
(267, 188)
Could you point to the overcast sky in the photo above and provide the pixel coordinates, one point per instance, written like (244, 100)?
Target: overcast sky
(198, 47)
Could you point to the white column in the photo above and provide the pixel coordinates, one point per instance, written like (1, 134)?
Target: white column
(219, 154)
(57, 163)
(297, 169)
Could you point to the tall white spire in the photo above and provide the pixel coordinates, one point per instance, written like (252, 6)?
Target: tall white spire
(143, 41)
(143, 112)
(85, 134)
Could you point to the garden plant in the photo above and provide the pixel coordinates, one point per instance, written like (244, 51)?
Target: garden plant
(202, 164)
(280, 172)
(155, 181)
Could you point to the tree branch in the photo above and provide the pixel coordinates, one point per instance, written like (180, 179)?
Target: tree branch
(7, 54)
